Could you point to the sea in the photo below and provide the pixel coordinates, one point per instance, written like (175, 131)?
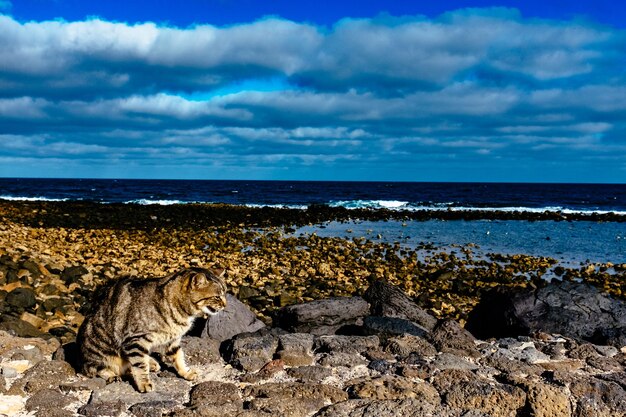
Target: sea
(569, 242)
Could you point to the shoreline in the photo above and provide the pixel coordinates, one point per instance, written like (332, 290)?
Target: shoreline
(62, 251)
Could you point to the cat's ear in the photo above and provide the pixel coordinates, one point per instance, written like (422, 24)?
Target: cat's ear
(199, 279)
(219, 272)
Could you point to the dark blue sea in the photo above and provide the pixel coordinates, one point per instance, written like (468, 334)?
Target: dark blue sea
(300, 194)
(569, 242)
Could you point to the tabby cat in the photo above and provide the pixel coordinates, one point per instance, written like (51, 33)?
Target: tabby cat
(134, 316)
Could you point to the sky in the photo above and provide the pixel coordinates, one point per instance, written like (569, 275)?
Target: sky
(343, 90)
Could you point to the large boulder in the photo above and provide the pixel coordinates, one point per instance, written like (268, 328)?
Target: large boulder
(575, 310)
(236, 318)
(389, 301)
(323, 317)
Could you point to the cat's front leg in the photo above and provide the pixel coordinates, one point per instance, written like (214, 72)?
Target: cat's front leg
(137, 352)
(176, 356)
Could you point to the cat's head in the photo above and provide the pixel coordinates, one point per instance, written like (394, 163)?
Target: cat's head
(207, 290)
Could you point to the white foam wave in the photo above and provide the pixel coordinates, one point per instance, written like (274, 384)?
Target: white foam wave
(288, 206)
(18, 198)
(146, 202)
(387, 204)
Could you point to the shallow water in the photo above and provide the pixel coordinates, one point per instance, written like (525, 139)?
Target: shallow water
(569, 242)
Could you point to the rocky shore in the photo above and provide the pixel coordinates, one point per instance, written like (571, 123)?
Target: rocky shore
(377, 356)
(328, 339)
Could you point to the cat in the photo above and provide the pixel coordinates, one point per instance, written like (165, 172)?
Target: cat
(133, 316)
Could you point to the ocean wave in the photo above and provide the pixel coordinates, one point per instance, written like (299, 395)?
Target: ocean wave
(147, 202)
(371, 204)
(19, 198)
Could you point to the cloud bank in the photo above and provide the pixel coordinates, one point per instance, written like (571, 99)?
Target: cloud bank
(477, 94)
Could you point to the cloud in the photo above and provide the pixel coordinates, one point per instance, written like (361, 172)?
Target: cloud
(474, 87)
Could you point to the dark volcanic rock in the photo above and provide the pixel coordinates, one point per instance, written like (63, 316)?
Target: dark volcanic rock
(575, 310)
(21, 298)
(153, 408)
(73, 274)
(322, 316)
(389, 301)
(215, 393)
(44, 375)
(250, 351)
(392, 326)
(449, 336)
(346, 344)
(45, 399)
(296, 349)
(236, 318)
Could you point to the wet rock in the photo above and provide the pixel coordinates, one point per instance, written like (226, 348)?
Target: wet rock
(392, 387)
(571, 309)
(322, 316)
(448, 336)
(236, 318)
(405, 345)
(392, 326)
(309, 373)
(250, 351)
(296, 349)
(389, 301)
(346, 344)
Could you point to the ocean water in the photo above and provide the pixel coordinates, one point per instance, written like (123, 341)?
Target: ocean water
(570, 242)
(300, 194)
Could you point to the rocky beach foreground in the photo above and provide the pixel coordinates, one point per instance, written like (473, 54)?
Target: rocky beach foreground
(318, 344)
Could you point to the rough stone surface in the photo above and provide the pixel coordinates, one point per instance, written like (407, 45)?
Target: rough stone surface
(295, 407)
(406, 344)
(46, 398)
(309, 373)
(236, 318)
(322, 316)
(497, 400)
(200, 351)
(334, 359)
(346, 344)
(165, 389)
(153, 408)
(290, 391)
(216, 394)
(45, 374)
(250, 351)
(392, 387)
(296, 349)
(392, 326)
(449, 336)
(571, 309)
(381, 408)
(109, 409)
(389, 301)
(450, 361)
(545, 400)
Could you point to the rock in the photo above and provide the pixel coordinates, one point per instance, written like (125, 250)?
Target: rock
(46, 399)
(571, 309)
(296, 349)
(109, 409)
(309, 373)
(494, 399)
(322, 316)
(90, 384)
(288, 391)
(69, 353)
(392, 387)
(406, 344)
(44, 375)
(448, 336)
(214, 393)
(392, 326)
(450, 361)
(21, 298)
(250, 351)
(153, 408)
(73, 274)
(598, 398)
(297, 407)
(267, 371)
(346, 344)
(236, 318)
(381, 408)
(389, 301)
(200, 351)
(165, 389)
(348, 360)
(610, 336)
(545, 400)
(11, 405)
(21, 328)
(383, 367)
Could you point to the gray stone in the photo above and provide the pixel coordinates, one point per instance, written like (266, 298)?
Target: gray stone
(45, 374)
(295, 407)
(296, 349)
(200, 351)
(567, 308)
(450, 361)
(392, 326)
(289, 391)
(165, 389)
(404, 345)
(322, 316)
(448, 336)
(309, 373)
(215, 393)
(497, 400)
(153, 408)
(382, 408)
(346, 344)
(390, 301)
(46, 398)
(109, 409)
(393, 387)
(250, 351)
(236, 318)
(348, 360)
(91, 384)
(22, 298)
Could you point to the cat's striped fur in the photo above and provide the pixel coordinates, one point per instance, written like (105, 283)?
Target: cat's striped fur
(134, 316)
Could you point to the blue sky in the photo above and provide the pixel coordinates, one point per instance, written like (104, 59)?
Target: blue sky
(411, 91)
